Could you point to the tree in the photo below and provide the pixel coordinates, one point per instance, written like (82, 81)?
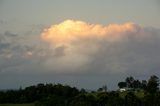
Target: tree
(83, 100)
(152, 85)
(102, 99)
(132, 100)
(103, 89)
(129, 81)
(144, 84)
(122, 84)
(82, 90)
(136, 84)
(100, 89)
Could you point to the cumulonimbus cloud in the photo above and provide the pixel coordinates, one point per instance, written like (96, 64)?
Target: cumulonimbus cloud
(77, 48)
(111, 48)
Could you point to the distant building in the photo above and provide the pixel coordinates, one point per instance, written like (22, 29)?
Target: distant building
(122, 89)
(126, 89)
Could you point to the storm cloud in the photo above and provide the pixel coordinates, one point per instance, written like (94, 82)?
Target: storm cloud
(77, 48)
(115, 48)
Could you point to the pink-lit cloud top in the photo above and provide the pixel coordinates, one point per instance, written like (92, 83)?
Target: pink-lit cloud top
(71, 30)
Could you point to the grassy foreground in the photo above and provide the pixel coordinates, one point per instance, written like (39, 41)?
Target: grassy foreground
(16, 104)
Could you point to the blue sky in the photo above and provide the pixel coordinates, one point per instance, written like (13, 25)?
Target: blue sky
(117, 38)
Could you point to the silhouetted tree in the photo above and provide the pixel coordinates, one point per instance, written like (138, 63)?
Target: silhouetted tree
(144, 84)
(122, 84)
(152, 85)
(129, 81)
(136, 84)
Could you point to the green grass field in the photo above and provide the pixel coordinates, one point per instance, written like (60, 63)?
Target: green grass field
(16, 104)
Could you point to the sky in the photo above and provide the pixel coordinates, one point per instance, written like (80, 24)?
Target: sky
(82, 43)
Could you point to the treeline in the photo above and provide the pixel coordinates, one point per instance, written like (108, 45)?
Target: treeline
(64, 95)
(36, 93)
(150, 86)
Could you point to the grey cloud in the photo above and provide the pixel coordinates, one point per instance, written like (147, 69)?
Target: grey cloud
(86, 63)
(60, 51)
(4, 46)
(134, 56)
(7, 33)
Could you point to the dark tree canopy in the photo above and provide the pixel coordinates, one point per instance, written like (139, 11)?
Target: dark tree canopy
(153, 83)
(122, 84)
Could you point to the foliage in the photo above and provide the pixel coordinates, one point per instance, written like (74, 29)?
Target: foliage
(122, 84)
(143, 94)
(16, 104)
(153, 83)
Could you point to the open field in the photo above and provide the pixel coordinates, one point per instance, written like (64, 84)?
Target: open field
(16, 104)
